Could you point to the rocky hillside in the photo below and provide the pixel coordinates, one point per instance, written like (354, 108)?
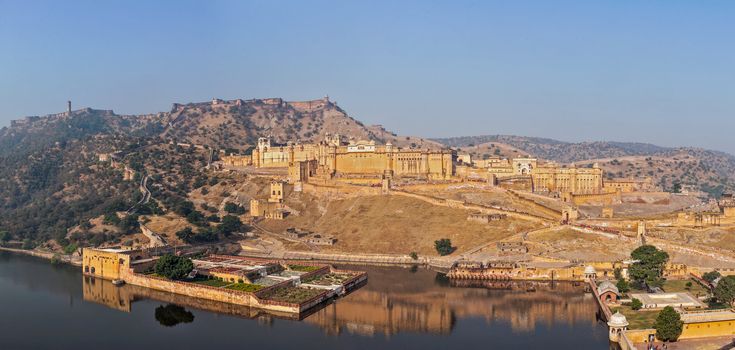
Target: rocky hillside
(52, 177)
(237, 124)
(710, 171)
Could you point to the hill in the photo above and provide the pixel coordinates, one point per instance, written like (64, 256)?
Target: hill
(237, 124)
(52, 177)
(710, 171)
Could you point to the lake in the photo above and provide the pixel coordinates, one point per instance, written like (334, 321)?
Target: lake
(55, 307)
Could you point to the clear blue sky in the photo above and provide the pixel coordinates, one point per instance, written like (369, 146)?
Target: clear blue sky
(650, 71)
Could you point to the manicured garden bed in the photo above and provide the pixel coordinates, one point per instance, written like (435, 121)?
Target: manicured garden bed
(304, 268)
(245, 287)
(328, 279)
(641, 319)
(212, 282)
(293, 295)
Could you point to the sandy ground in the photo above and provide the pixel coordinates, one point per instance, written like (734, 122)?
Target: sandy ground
(393, 224)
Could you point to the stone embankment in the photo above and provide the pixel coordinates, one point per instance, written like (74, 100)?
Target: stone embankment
(66, 259)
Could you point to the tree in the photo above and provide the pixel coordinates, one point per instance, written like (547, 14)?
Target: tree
(648, 266)
(194, 217)
(229, 225)
(636, 304)
(28, 244)
(618, 273)
(668, 324)
(414, 256)
(173, 267)
(70, 249)
(711, 276)
(623, 286)
(129, 224)
(688, 285)
(5, 236)
(725, 290)
(233, 208)
(185, 234)
(444, 246)
(676, 187)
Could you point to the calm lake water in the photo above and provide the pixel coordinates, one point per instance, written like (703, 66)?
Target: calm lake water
(55, 307)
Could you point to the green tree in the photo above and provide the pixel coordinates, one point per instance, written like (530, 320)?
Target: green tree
(185, 234)
(229, 225)
(676, 187)
(414, 255)
(725, 290)
(623, 286)
(70, 249)
(688, 285)
(711, 276)
(28, 244)
(173, 267)
(443, 246)
(648, 266)
(618, 273)
(668, 324)
(5, 237)
(636, 304)
(233, 208)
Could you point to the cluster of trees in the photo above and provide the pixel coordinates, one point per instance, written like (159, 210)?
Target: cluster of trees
(647, 271)
(229, 224)
(173, 267)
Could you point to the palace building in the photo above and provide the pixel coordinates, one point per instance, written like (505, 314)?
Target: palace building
(355, 158)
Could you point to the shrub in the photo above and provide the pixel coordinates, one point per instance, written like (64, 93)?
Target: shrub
(444, 246)
(623, 286)
(414, 256)
(636, 304)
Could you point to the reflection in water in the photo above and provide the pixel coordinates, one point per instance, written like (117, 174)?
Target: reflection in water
(424, 301)
(400, 309)
(171, 315)
(395, 301)
(122, 297)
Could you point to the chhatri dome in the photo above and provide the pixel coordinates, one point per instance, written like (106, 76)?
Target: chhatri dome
(589, 270)
(618, 320)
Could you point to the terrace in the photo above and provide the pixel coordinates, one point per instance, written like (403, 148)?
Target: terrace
(329, 279)
(292, 295)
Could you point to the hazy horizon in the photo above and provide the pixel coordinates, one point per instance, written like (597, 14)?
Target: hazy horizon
(657, 72)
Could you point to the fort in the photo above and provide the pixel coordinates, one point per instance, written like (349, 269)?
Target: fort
(335, 158)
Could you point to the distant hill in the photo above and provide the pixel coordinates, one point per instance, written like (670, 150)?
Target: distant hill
(707, 170)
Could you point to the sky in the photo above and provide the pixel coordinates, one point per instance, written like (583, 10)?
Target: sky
(649, 71)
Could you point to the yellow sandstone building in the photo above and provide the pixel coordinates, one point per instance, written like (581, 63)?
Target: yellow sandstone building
(356, 158)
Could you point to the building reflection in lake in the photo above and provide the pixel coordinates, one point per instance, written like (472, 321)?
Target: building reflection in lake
(425, 301)
(395, 301)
